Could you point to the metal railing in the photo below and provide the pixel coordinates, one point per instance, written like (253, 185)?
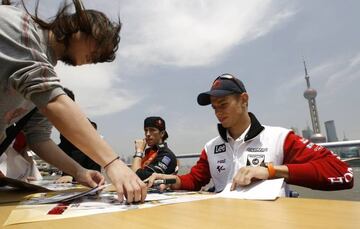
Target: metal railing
(351, 143)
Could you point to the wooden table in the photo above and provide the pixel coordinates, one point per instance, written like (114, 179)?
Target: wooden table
(217, 213)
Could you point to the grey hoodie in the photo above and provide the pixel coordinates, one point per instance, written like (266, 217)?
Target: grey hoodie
(27, 76)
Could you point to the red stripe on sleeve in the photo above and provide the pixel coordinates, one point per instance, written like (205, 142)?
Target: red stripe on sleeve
(314, 166)
(199, 174)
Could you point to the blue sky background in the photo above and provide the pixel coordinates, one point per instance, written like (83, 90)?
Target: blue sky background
(171, 50)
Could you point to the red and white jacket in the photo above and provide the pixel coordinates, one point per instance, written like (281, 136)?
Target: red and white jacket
(309, 165)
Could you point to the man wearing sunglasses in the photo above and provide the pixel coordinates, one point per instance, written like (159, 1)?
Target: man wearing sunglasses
(246, 151)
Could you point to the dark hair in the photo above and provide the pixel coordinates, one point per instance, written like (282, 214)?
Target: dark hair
(5, 2)
(165, 136)
(91, 22)
(69, 93)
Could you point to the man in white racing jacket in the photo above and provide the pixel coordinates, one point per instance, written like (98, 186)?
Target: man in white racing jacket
(246, 151)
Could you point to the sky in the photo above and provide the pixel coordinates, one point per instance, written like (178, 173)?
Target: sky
(172, 50)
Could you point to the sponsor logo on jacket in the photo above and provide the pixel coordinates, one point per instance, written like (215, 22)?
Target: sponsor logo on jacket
(255, 159)
(162, 166)
(220, 168)
(220, 165)
(344, 179)
(310, 145)
(256, 149)
(220, 149)
(222, 161)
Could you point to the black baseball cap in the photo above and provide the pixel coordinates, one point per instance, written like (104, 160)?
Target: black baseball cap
(156, 122)
(223, 85)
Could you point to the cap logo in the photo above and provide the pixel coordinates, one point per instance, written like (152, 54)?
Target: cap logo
(159, 123)
(216, 84)
(156, 122)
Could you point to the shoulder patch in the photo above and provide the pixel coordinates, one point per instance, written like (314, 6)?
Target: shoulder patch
(166, 160)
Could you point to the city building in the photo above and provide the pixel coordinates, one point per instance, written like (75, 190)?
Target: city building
(296, 131)
(307, 133)
(310, 95)
(331, 131)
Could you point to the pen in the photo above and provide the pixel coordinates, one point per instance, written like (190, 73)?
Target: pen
(163, 181)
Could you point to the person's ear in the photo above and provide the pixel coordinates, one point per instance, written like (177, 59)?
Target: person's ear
(244, 99)
(162, 133)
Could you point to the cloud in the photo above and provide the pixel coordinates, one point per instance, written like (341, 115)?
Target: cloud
(355, 61)
(337, 74)
(98, 88)
(298, 81)
(345, 72)
(193, 33)
(155, 109)
(178, 33)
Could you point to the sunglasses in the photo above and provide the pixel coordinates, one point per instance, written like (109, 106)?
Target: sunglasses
(232, 78)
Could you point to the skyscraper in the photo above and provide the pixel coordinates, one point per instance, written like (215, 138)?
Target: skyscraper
(307, 133)
(331, 131)
(310, 95)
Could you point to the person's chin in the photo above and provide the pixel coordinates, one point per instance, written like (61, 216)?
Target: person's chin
(225, 124)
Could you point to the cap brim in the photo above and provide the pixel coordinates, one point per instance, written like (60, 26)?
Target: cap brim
(203, 99)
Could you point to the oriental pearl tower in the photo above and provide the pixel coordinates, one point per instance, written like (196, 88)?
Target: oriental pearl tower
(310, 95)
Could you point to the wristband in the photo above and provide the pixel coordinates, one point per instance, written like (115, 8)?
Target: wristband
(139, 154)
(118, 157)
(271, 170)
